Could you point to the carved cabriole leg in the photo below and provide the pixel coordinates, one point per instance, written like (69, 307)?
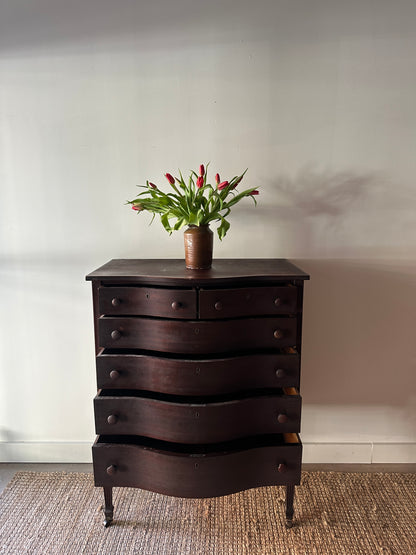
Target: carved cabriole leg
(290, 493)
(108, 506)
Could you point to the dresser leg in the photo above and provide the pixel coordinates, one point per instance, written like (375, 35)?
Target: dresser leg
(108, 507)
(290, 493)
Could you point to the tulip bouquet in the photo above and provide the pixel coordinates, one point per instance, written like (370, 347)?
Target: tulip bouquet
(195, 202)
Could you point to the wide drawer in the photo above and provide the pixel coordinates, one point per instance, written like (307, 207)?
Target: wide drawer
(191, 336)
(247, 301)
(180, 376)
(148, 301)
(194, 419)
(188, 472)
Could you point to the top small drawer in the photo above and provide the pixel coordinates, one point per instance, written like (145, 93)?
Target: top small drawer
(148, 301)
(248, 301)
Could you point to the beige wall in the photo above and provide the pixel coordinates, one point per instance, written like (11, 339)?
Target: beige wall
(315, 98)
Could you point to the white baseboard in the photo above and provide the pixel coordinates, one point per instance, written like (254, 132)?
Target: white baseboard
(337, 453)
(47, 452)
(80, 452)
(364, 453)
(394, 453)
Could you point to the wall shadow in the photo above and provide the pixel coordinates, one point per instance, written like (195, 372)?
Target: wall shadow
(56, 24)
(359, 324)
(312, 192)
(349, 230)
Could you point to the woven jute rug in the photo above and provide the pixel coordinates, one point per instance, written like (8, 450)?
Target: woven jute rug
(336, 513)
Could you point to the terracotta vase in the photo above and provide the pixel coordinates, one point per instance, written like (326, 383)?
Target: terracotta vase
(198, 247)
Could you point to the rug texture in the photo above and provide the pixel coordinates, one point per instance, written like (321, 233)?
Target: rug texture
(335, 513)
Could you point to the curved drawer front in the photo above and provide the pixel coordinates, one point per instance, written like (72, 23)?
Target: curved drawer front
(187, 475)
(176, 336)
(147, 301)
(197, 422)
(247, 301)
(196, 377)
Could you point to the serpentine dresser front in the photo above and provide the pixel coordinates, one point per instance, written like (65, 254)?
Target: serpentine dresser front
(198, 377)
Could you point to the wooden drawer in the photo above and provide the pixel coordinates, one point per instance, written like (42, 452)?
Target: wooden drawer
(147, 301)
(194, 419)
(247, 301)
(179, 376)
(192, 336)
(183, 472)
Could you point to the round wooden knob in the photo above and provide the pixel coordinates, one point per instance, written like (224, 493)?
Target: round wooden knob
(112, 419)
(114, 374)
(282, 467)
(176, 305)
(115, 301)
(282, 418)
(278, 301)
(115, 334)
(111, 470)
(218, 305)
(278, 334)
(280, 373)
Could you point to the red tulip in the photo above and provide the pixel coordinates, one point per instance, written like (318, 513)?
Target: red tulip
(201, 170)
(222, 185)
(253, 193)
(170, 178)
(217, 178)
(137, 207)
(199, 181)
(152, 185)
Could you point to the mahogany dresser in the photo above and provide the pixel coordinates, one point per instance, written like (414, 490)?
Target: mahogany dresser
(198, 377)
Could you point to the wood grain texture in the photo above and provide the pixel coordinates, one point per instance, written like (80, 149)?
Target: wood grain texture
(192, 362)
(184, 475)
(197, 336)
(209, 421)
(173, 272)
(148, 301)
(187, 376)
(247, 301)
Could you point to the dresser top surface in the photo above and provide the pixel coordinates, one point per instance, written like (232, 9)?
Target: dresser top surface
(173, 271)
